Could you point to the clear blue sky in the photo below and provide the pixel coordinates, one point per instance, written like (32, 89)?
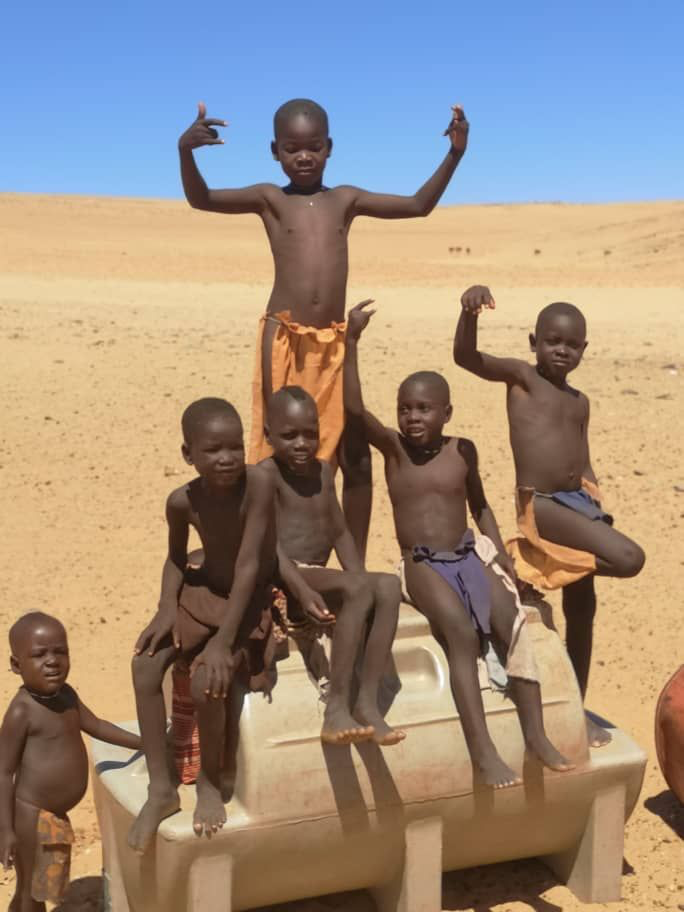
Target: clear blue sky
(569, 100)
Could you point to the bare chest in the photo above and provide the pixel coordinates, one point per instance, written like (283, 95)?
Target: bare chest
(550, 408)
(320, 217)
(443, 476)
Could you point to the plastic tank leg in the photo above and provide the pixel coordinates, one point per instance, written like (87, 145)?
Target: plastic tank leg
(210, 884)
(417, 885)
(592, 868)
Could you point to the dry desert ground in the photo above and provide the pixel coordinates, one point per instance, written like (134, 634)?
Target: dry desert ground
(114, 314)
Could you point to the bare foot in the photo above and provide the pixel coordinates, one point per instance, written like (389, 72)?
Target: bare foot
(597, 736)
(542, 748)
(383, 734)
(156, 808)
(210, 812)
(340, 728)
(494, 772)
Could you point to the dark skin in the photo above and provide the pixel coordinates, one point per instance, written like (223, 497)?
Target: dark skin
(310, 527)
(43, 760)
(431, 479)
(549, 433)
(232, 509)
(308, 225)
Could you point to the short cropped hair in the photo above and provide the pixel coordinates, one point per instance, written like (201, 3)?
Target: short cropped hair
(286, 394)
(303, 107)
(27, 623)
(558, 308)
(429, 378)
(201, 411)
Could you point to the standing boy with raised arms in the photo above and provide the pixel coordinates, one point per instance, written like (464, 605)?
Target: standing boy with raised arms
(302, 334)
(566, 538)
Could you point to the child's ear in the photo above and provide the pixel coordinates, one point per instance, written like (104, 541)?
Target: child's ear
(267, 433)
(449, 412)
(330, 145)
(185, 450)
(533, 342)
(274, 151)
(14, 664)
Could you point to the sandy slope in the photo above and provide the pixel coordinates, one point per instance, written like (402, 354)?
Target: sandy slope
(114, 314)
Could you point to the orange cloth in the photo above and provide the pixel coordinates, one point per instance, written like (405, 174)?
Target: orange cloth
(52, 864)
(540, 562)
(303, 356)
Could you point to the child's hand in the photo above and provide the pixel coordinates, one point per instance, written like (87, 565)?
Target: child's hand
(201, 132)
(476, 298)
(314, 607)
(505, 561)
(8, 848)
(161, 626)
(219, 666)
(357, 319)
(457, 131)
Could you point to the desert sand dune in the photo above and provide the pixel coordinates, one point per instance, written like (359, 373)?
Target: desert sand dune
(114, 314)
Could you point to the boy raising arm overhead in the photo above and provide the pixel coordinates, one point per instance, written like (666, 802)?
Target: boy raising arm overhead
(302, 334)
(565, 536)
(457, 583)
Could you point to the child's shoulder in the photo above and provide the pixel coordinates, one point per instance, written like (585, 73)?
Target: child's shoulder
(179, 499)
(262, 477)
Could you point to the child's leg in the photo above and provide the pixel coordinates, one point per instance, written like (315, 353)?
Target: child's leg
(446, 613)
(349, 596)
(616, 555)
(386, 599)
(525, 694)
(25, 824)
(162, 801)
(234, 704)
(579, 608)
(357, 481)
(210, 811)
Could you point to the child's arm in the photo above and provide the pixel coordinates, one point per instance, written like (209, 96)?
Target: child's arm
(343, 542)
(390, 206)
(202, 133)
(105, 731)
(378, 435)
(162, 624)
(588, 472)
(466, 354)
(12, 739)
(217, 654)
(481, 512)
(312, 602)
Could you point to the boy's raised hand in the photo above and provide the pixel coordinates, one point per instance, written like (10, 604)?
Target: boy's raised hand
(476, 299)
(201, 131)
(457, 131)
(358, 317)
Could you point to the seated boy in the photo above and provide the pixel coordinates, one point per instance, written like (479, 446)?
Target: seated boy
(566, 538)
(43, 762)
(301, 337)
(216, 617)
(310, 526)
(456, 582)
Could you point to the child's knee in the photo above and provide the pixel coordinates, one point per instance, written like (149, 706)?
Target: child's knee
(358, 587)
(463, 638)
(387, 588)
(148, 674)
(631, 559)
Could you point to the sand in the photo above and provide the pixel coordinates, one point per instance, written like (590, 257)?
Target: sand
(114, 314)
